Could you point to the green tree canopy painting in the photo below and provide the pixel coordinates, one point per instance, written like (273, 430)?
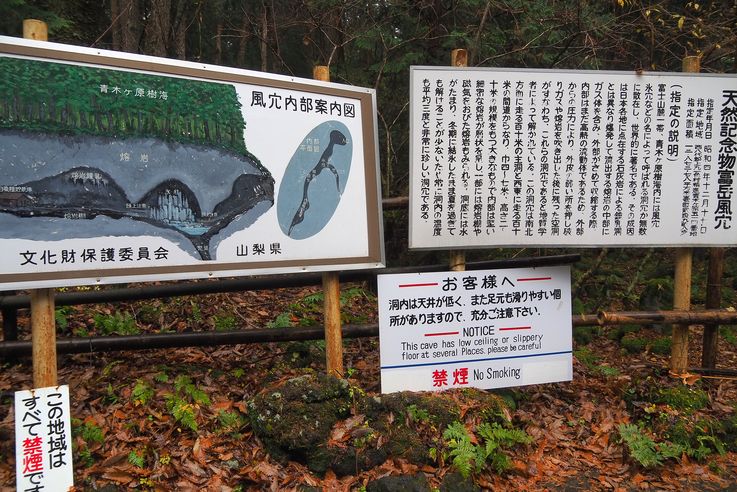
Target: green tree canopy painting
(58, 98)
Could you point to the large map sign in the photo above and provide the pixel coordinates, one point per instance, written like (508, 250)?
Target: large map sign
(504, 157)
(118, 167)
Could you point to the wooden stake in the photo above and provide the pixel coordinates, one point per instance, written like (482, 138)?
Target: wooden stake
(331, 291)
(43, 327)
(682, 280)
(682, 302)
(457, 258)
(43, 333)
(333, 334)
(713, 301)
(35, 29)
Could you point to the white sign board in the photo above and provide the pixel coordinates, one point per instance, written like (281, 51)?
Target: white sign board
(482, 329)
(117, 167)
(571, 158)
(43, 439)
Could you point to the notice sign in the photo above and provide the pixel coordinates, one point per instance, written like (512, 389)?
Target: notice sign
(571, 158)
(43, 439)
(482, 329)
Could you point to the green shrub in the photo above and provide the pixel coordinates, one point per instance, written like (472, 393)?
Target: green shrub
(116, 324)
(683, 397)
(632, 344)
(224, 323)
(661, 346)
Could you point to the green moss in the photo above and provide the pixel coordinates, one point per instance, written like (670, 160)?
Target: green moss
(683, 397)
(633, 344)
(661, 346)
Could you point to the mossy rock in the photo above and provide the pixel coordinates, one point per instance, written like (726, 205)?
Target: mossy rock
(493, 406)
(409, 422)
(294, 418)
(454, 482)
(399, 483)
(304, 354)
(345, 461)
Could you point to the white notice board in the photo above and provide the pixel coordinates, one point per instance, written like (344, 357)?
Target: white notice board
(116, 167)
(43, 439)
(482, 329)
(503, 157)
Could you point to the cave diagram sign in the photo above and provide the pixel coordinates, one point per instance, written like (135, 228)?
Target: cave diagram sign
(482, 329)
(504, 157)
(119, 167)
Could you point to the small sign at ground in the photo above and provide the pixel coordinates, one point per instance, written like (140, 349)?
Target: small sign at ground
(43, 439)
(483, 329)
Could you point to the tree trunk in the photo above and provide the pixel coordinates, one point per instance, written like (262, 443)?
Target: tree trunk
(131, 25)
(180, 24)
(219, 44)
(115, 23)
(243, 42)
(157, 28)
(264, 37)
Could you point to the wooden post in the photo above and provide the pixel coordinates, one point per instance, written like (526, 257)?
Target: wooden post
(331, 291)
(43, 332)
(457, 258)
(682, 280)
(713, 301)
(43, 328)
(681, 301)
(35, 29)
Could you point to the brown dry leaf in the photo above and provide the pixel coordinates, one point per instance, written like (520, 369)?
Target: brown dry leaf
(195, 469)
(342, 430)
(331, 481)
(115, 460)
(199, 448)
(219, 406)
(118, 476)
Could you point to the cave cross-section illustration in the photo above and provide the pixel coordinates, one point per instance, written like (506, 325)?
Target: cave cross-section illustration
(93, 151)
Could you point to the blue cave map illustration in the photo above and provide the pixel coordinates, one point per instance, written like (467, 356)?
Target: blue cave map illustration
(89, 152)
(314, 180)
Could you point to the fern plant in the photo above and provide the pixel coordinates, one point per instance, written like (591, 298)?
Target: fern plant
(468, 457)
(182, 404)
(644, 450)
(142, 393)
(496, 438)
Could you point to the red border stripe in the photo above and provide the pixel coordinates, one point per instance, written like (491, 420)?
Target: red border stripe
(432, 284)
(533, 279)
(516, 328)
(442, 334)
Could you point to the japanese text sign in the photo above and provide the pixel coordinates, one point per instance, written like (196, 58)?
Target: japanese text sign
(482, 329)
(43, 439)
(571, 158)
(117, 167)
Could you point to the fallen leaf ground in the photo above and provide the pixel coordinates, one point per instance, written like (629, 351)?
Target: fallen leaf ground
(574, 425)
